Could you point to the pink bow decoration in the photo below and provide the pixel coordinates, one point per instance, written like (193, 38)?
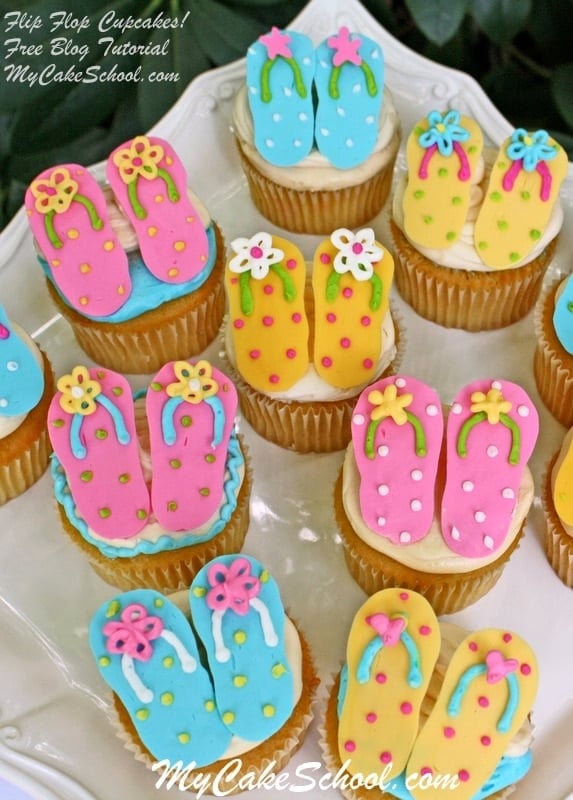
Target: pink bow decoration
(498, 666)
(346, 48)
(132, 636)
(276, 43)
(388, 630)
(233, 587)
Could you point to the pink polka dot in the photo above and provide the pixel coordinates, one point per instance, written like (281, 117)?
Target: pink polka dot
(507, 637)
(426, 771)
(325, 258)
(525, 669)
(255, 354)
(239, 323)
(274, 378)
(406, 708)
(367, 363)
(404, 595)
(268, 321)
(385, 757)
(326, 361)
(464, 775)
(486, 741)
(381, 678)
(371, 717)
(483, 701)
(234, 280)
(350, 746)
(347, 292)
(425, 630)
(365, 321)
(449, 733)
(296, 317)
(268, 289)
(331, 317)
(291, 263)
(473, 646)
(290, 353)
(345, 342)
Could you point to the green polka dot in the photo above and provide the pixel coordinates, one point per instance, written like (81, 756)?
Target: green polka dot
(513, 257)
(172, 505)
(58, 423)
(101, 433)
(239, 681)
(113, 608)
(141, 513)
(209, 705)
(158, 602)
(240, 637)
(419, 194)
(428, 219)
(501, 165)
(264, 576)
(100, 374)
(228, 717)
(117, 391)
(502, 225)
(204, 492)
(186, 421)
(86, 476)
(496, 197)
(167, 698)
(104, 513)
(210, 458)
(472, 149)
(124, 477)
(268, 710)
(142, 713)
(175, 463)
(184, 738)
(450, 236)
(418, 130)
(456, 201)
(535, 234)
(570, 307)
(525, 195)
(443, 172)
(482, 245)
(157, 387)
(168, 662)
(199, 591)
(85, 404)
(278, 670)
(104, 661)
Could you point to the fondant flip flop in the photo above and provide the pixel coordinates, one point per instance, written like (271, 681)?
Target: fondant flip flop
(563, 316)
(238, 614)
(351, 280)
(150, 183)
(491, 432)
(393, 646)
(397, 429)
(562, 490)
(486, 695)
(280, 70)
(191, 413)
(523, 188)
(146, 652)
(265, 283)
(443, 152)
(91, 423)
(349, 82)
(68, 216)
(21, 377)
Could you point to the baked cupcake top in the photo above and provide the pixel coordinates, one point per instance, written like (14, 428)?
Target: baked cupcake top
(440, 507)
(317, 337)
(115, 252)
(21, 375)
(152, 474)
(464, 207)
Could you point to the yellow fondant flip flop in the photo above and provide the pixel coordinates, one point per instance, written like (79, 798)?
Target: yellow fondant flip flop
(486, 695)
(265, 282)
(443, 152)
(351, 280)
(562, 493)
(523, 187)
(392, 649)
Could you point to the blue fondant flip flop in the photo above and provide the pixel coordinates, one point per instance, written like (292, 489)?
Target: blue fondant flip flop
(563, 316)
(349, 81)
(146, 651)
(280, 70)
(238, 614)
(21, 377)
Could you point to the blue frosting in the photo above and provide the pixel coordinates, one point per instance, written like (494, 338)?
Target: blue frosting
(21, 378)
(148, 292)
(168, 541)
(563, 316)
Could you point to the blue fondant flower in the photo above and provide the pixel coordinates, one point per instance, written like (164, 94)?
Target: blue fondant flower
(444, 131)
(531, 148)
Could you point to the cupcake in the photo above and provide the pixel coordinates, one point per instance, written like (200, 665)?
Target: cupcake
(475, 230)
(27, 386)
(553, 358)
(558, 511)
(423, 710)
(433, 507)
(302, 348)
(150, 488)
(136, 266)
(213, 684)
(317, 131)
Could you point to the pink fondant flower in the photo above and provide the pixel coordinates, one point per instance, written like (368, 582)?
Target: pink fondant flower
(346, 48)
(233, 587)
(132, 636)
(498, 666)
(276, 43)
(388, 630)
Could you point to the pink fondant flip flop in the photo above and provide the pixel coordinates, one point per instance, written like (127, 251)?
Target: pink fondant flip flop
(92, 429)
(397, 429)
(491, 432)
(191, 411)
(150, 183)
(68, 217)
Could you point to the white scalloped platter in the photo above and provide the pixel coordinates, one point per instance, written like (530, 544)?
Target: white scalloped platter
(56, 738)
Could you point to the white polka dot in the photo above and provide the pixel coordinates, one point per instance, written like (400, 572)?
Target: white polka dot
(323, 63)
(416, 474)
(349, 143)
(369, 120)
(457, 408)
(523, 411)
(325, 131)
(508, 493)
(375, 54)
(251, 51)
(269, 143)
(405, 537)
(383, 450)
(468, 486)
(287, 90)
(416, 505)
(383, 489)
(400, 382)
(488, 542)
(12, 366)
(297, 143)
(341, 111)
(492, 451)
(302, 116)
(253, 89)
(306, 60)
(3, 402)
(356, 88)
(381, 521)
(432, 410)
(456, 534)
(479, 516)
(276, 117)
(496, 385)
(359, 419)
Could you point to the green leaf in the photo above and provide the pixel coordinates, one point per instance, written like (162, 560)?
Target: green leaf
(501, 20)
(531, 107)
(438, 19)
(224, 34)
(562, 90)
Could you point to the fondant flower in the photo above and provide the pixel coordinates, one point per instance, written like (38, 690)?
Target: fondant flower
(79, 392)
(233, 587)
(345, 47)
(390, 404)
(356, 252)
(443, 132)
(276, 43)
(132, 636)
(531, 148)
(499, 667)
(255, 255)
(492, 403)
(389, 630)
(141, 158)
(194, 383)
(54, 193)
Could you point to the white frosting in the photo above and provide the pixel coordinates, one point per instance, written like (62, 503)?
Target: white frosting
(315, 172)
(431, 554)
(463, 254)
(10, 424)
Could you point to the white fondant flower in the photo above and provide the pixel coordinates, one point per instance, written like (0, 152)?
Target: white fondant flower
(255, 255)
(356, 252)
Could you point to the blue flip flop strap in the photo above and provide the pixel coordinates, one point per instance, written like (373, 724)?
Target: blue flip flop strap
(372, 649)
(455, 702)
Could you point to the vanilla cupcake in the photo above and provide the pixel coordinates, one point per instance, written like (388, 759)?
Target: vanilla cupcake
(558, 512)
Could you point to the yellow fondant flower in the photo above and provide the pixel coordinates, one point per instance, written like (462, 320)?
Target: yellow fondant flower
(389, 404)
(79, 392)
(54, 193)
(139, 159)
(194, 383)
(492, 403)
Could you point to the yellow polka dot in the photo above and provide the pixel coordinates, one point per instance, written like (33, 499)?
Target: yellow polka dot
(29, 212)
(228, 717)
(239, 681)
(184, 738)
(152, 230)
(179, 246)
(104, 661)
(278, 670)
(56, 262)
(159, 198)
(84, 301)
(168, 160)
(203, 258)
(73, 233)
(121, 289)
(190, 219)
(209, 705)
(173, 272)
(85, 268)
(264, 576)
(199, 591)
(142, 713)
(240, 637)
(268, 710)
(167, 698)
(158, 602)
(168, 662)
(113, 608)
